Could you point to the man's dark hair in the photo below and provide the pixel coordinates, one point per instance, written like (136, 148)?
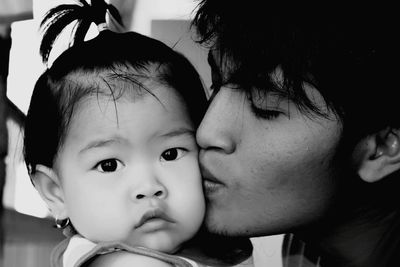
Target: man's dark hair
(349, 55)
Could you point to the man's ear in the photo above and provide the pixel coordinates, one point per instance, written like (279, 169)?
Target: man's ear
(48, 184)
(378, 155)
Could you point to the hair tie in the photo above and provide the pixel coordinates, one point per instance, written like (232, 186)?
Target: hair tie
(102, 26)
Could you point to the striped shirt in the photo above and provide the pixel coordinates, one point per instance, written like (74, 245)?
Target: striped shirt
(296, 253)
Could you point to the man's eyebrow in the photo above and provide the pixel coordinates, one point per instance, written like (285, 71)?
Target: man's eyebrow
(101, 143)
(177, 132)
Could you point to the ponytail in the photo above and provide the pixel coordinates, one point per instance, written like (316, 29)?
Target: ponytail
(57, 18)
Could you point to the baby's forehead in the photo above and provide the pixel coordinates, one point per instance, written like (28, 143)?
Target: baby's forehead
(110, 83)
(111, 88)
(108, 88)
(97, 113)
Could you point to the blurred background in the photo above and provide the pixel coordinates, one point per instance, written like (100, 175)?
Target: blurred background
(27, 233)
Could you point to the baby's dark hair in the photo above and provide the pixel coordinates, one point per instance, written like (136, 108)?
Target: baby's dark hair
(123, 62)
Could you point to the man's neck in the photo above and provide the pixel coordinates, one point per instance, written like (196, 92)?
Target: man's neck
(355, 240)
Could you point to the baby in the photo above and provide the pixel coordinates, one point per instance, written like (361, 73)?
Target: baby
(110, 144)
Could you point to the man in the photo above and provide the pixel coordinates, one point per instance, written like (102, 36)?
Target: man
(302, 132)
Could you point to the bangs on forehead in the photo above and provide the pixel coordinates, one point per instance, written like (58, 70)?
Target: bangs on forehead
(108, 84)
(222, 65)
(236, 75)
(272, 81)
(112, 83)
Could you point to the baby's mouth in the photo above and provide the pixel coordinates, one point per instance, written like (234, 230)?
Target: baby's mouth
(156, 214)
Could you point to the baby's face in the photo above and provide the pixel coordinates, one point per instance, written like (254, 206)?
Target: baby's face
(129, 171)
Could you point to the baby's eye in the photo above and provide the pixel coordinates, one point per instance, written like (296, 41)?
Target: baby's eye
(173, 154)
(108, 165)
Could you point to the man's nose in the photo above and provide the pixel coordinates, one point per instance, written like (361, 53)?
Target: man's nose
(217, 129)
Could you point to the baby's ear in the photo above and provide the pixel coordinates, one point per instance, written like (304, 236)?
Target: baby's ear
(378, 155)
(48, 184)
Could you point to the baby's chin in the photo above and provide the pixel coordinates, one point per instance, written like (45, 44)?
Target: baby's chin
(162, 245)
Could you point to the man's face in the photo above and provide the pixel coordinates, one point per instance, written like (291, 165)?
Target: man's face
(265, 172)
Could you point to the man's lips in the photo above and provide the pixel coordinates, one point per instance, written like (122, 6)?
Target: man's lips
(211, 185)
(152, 215)
(208, 176)
(205, 162)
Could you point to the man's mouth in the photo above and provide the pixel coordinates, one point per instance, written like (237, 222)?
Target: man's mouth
(210, 183)
(210, 187)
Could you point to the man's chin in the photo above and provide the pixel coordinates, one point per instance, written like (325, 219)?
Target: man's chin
(217, 225)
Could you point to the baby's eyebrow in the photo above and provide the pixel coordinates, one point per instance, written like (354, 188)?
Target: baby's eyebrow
(100, 143)
(177, 132)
